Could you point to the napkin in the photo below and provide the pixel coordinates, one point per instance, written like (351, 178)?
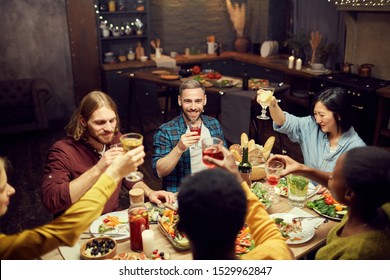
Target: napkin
(300, 213)
(165, 61)
(70, 253)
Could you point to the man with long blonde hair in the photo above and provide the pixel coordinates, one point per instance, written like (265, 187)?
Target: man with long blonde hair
(75, 162)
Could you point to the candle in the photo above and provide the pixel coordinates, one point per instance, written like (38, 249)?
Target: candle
(290, 62)
(148, 242)
(298, 64)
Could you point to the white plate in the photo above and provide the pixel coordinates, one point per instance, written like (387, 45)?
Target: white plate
(305, 235)
(122, 229)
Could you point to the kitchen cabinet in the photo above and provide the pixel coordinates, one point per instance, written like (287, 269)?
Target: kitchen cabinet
(226, 67)
(256, 71)
(382, 127)
(125, 28)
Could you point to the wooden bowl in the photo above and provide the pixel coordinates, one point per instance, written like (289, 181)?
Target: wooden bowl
(86, 254)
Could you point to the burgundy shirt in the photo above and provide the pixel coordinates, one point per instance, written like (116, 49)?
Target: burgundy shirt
(67, 159)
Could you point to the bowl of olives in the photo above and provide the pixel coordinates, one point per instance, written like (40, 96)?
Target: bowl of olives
(98, 248)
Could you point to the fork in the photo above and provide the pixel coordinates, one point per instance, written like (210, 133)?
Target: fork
(304, 218)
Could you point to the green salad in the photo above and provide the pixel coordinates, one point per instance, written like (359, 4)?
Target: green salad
(258, 189)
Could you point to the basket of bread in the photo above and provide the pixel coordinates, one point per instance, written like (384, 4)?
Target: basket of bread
(257, 154)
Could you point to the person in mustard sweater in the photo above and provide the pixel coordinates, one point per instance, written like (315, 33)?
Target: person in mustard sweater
(214, 204)
(66, 229)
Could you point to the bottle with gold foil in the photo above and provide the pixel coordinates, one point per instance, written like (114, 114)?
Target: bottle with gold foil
(245, 167)
(138, 218)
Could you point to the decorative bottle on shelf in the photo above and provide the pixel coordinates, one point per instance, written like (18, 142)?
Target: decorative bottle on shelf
(111, 6)
(139, 51)
(245, 81)
(245, 167)
(138, 218)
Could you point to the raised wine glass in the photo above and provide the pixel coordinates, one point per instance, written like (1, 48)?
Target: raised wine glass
(264, 95)
(197, 128)
(131, 141)
(273, 169)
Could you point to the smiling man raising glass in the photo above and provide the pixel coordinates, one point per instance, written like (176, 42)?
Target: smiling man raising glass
(173, 158)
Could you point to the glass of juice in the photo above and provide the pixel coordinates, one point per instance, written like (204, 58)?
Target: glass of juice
(273, 169)
(297, 190)
(211, 147)
(131, 141)
(197, 128)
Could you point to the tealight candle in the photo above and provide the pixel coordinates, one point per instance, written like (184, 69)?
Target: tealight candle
(290, 62)
(148, 242)
(298, 64)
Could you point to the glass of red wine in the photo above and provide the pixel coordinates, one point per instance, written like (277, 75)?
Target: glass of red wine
(211, 147)
(273, 169)
(197, 128)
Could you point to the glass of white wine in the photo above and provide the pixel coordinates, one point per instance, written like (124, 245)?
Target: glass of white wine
(131, 141)
(264, 96)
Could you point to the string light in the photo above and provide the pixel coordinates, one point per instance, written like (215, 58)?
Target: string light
(362, 3)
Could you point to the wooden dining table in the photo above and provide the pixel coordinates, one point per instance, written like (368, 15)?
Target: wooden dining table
(300, 251)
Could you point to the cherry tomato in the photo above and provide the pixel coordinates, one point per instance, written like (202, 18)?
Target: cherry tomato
(217, 75)
(196, 69)
(106, 221)
(211, 75)
(329, 200)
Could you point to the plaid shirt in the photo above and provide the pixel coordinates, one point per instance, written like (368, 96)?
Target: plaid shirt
(166, 138)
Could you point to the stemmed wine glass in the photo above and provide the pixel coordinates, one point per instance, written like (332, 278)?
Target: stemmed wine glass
(273, 169)
(131, 141)
(197, 128)
(264, 95)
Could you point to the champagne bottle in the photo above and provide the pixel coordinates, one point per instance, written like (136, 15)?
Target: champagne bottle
(245, 167)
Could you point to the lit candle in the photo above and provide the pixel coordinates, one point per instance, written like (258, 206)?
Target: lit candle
(298, 64)
(148, 242)
(290, 62)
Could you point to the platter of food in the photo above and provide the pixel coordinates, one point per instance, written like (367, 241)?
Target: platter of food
(244, 242)
(223, 83)
(161, 72)
(167, 225)
(114, 224)
(170, 77)
(312, 190)
(328, 207)
(255, 83)
(258, 189)
(295, 232)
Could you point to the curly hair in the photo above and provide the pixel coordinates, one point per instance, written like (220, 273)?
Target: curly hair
(367, 173)
(211, 199)
(90, 103)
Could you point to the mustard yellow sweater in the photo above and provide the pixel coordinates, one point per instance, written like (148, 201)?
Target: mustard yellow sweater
(270, 245)
(65, 230)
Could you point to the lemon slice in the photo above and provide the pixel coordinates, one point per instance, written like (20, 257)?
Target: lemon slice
(265, 96)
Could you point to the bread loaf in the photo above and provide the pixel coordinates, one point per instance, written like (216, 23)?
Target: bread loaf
(268, 147)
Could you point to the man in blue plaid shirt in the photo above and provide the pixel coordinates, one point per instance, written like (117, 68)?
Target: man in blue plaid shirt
(177, 151)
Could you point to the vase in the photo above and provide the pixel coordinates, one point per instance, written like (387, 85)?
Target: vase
(241, 44)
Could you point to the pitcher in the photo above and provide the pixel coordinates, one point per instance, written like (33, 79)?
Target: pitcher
(211, 47)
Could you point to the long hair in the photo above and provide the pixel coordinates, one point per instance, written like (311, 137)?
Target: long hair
(90, 103)
(337, 101)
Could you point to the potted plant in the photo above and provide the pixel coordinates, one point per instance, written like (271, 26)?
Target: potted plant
(298, 43)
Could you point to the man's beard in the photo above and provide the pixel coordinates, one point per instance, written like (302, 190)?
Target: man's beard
(188, 118)
(99, 138)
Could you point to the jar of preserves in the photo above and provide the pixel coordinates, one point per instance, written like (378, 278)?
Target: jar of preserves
(138, 219)
(111, 6)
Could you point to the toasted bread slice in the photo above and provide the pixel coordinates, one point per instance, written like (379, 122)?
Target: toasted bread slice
(236, 155)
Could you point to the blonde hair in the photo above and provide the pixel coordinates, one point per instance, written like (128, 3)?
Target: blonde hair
(90, 103)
